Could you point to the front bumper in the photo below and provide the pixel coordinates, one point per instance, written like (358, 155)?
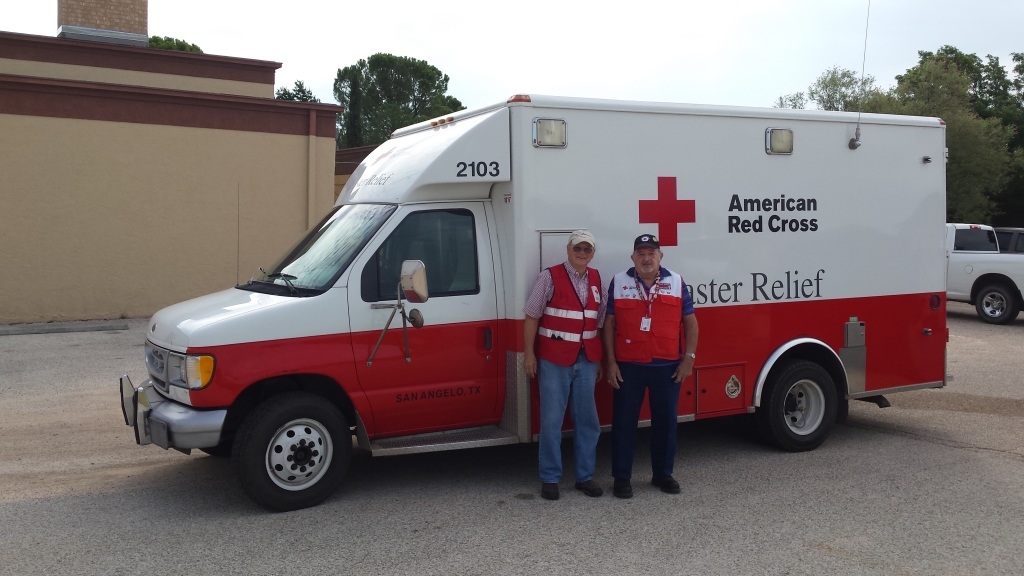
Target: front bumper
(168, 424)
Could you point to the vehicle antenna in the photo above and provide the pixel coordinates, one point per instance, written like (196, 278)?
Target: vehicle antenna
(855, 141)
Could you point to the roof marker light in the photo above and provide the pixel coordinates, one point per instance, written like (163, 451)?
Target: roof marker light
(451, 118)
(942, 122)
(433, 122)
(440, 121)
(519, 98)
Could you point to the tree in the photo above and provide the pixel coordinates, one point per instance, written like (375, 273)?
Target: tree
(299, 93)
(353, 114)
(839, 89)
(795, 100)
(393, 91)
(168, 43)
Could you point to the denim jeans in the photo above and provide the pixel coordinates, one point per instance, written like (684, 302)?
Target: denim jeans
(573, 386)
(626, 402)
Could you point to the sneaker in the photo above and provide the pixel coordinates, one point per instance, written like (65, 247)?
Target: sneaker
(622, 489)
(549, 491)
(590, 488)
(667, 484)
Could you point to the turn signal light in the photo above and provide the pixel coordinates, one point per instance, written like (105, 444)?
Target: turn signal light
(199, 371)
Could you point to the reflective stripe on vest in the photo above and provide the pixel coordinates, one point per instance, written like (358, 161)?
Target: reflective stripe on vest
(568, 336)
(571, 314)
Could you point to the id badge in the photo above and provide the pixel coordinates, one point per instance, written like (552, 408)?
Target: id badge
(645, 324)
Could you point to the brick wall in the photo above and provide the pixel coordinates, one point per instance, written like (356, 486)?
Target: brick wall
(121, 15)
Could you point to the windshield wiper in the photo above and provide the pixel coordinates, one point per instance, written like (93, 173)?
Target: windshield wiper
(286, 277)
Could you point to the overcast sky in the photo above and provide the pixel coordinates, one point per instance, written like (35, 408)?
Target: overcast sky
(727, 52)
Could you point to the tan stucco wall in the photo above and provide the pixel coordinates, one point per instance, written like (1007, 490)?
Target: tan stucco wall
(103, 219)
(339, 183)
(134, 78)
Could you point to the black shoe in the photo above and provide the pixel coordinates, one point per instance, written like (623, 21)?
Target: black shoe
(667, 484)
(549, 491)
(590, 488)
(622, 489)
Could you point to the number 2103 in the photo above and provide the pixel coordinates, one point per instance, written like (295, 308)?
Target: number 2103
(477, 169)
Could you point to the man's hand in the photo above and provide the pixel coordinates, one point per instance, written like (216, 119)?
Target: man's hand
(614, 375)
(530, 364)
(684, 370)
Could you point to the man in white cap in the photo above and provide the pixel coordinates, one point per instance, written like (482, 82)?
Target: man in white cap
(563, 315)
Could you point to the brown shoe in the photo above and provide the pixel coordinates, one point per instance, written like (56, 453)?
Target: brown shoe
(590, 488)
(549, 491)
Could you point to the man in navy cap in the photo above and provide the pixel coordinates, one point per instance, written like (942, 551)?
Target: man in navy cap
(650, 316)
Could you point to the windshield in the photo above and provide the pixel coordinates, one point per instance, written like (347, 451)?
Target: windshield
(316, 261)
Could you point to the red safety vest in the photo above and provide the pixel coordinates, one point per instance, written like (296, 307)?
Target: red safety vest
(662, 341)
(568, 324)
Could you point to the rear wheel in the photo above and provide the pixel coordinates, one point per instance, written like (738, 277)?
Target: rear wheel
(800, 406)
(292, 451)
(997, 304)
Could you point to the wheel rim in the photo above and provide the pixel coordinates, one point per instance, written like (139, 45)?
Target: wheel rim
(805, 407)
(994, 304)
(299, 454)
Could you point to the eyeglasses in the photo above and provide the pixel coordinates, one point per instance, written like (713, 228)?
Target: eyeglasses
(584, 249)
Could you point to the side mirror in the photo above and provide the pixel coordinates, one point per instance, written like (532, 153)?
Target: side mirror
(414, 281)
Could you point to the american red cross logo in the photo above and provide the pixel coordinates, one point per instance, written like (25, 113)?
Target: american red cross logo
(668, 211)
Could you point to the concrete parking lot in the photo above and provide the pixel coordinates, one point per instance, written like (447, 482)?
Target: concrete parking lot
(932, 485)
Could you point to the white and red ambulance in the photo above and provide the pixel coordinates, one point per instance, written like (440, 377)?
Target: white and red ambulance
(817, 268)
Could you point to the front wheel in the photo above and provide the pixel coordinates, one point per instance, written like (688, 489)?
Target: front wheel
(799, 407)
(292, 451)
(997, 304)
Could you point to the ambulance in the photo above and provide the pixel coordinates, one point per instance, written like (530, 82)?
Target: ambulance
(812, 244)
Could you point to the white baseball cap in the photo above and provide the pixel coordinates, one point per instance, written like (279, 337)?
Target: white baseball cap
(582, 236)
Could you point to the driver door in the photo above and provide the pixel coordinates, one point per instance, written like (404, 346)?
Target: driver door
(451, 379)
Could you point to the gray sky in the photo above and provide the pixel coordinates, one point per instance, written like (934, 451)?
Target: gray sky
(727, 52)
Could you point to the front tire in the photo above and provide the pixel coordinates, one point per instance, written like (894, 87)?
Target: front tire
(799, 408)
(997, 304)
(292, 451)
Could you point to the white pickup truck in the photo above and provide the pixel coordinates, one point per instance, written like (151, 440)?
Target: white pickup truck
(978, 273)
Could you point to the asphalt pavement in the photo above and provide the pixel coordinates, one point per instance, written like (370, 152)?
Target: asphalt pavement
(932, 485)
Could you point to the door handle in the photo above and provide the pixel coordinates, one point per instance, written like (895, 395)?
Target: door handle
(487, 339)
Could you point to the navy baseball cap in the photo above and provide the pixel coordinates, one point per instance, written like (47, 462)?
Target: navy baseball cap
(646, 240)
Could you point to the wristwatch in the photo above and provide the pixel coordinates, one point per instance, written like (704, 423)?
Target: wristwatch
(690, 354)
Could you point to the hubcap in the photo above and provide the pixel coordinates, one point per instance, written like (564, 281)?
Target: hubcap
(805, 407)
(994, 304)
(299, 454)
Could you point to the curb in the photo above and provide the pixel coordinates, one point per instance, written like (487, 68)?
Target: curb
(62, 327)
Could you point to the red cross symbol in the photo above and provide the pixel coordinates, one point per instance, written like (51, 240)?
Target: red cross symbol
(667, 211)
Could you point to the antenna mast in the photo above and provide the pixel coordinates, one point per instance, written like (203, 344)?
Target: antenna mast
(855, 141)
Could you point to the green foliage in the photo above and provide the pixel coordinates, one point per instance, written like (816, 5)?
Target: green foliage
(168, 43)
(393, 91)
(796, 100)
(354, 112)
(839, 89)
(299, 93)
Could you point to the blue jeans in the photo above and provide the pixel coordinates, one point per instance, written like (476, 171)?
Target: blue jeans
(626, 403)
(561, 386)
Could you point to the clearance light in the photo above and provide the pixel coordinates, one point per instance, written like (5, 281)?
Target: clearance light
(451, 118)
(935, 301)
(549, 133)
(198, 371)
(778, 141)
(433, 122)
(519, 98)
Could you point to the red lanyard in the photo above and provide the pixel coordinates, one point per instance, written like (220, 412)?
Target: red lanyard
(644, 294)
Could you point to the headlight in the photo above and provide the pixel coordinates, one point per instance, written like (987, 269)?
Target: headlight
(198, 371)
